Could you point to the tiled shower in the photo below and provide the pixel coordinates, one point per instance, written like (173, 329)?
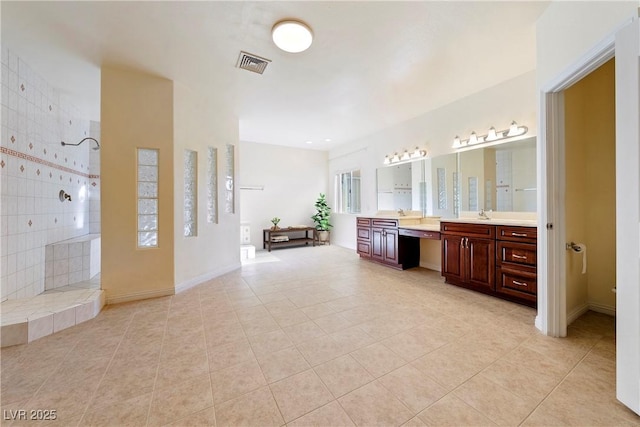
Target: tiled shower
(35, 168)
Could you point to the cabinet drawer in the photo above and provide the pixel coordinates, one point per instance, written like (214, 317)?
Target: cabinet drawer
(517, 283)
(363, 221)
(422, 234)
(518, 234)
(364, 248)
(364, 233)
(524, 254)
(466, 229)
(391, 223)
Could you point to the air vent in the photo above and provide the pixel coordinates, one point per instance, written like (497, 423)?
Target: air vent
(250, 62)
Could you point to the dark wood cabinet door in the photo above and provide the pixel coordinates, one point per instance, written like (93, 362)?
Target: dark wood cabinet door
(377, 243)
(452, 256)
(481, 262)
(390, 245)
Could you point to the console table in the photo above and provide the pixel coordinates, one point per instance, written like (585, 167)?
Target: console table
(297, 236)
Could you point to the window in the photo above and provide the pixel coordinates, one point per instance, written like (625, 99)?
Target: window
(147, 198)
(348, 192)
(190, 193)
(212, 185)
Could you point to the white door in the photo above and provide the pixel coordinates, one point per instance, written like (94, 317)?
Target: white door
(627, 57)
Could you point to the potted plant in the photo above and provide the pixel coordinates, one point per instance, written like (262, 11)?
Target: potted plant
(321, 218)
(275, 220)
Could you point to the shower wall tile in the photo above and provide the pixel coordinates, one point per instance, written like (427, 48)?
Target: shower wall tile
(34, 167)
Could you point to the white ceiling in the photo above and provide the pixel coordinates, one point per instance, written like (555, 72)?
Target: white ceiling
(371, 65)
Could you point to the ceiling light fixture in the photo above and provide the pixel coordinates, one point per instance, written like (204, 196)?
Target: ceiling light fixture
(292, 36)
(492, 136)
(395, 158)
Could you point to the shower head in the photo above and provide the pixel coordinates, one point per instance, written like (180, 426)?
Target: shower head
(97, 147)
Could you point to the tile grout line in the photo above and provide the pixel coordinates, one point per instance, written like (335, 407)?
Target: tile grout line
(107, 367)
(561, 381)
(155, 380)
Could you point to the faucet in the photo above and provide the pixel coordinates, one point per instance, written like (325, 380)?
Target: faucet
(483, 215)
(401, 212)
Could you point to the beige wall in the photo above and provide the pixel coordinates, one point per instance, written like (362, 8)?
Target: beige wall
(292, 179)
(200, 123)
(568, 30)
(136, 111)
(590, 192)
(471, 166)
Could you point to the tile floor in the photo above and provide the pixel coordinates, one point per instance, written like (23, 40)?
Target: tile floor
(318, 337)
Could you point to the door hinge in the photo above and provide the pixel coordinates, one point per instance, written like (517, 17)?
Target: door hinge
(549, 226)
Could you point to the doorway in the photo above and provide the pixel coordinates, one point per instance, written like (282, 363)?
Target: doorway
(590, 193)
(624, 44)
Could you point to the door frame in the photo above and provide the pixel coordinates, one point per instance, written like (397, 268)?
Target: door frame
(552, 293)
(624, 44)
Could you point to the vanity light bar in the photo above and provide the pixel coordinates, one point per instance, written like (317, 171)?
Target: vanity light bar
(492, 136)
(395, 158)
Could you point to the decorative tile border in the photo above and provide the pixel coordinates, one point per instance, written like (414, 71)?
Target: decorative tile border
(40, 161)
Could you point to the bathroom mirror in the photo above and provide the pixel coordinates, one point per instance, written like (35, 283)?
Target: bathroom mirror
(422, 185)
(499, 178)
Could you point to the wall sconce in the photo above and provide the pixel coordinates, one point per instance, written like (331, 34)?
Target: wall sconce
(405, 157)
(492, 136)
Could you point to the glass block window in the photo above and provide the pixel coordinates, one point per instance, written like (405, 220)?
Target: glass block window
(190, 193)
(442, 188)
(473, 193)
(229, 178)
(147, 198)
(212, 185)
(456, 194)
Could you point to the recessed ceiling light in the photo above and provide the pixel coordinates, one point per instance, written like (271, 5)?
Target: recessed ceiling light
(292, 36)
(309, 142)
(327, 140)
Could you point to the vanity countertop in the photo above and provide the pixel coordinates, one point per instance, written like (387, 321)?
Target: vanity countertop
(496, 221)
(396, 216)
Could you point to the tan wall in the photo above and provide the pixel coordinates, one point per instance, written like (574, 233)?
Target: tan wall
(471, 165)
(489, 170)
(590, 199)
(136, 111)
(200, 123)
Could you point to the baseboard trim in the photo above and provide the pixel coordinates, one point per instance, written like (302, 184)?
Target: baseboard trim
(602, 308)
(577, 312)
(593, 306)
(188, 284)
(137, 296)
(430, 266)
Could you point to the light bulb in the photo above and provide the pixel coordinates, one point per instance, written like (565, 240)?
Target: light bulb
(492, 136)
(473, 139)
(514, 130)
(417, 154)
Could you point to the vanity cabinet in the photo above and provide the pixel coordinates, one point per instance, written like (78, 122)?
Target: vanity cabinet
(494, 259)
(379, 240)
(468, 253)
